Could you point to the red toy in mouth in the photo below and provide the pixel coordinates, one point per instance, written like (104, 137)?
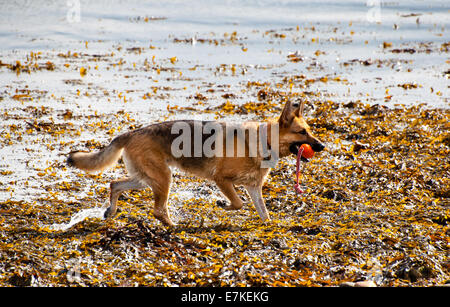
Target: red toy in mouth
(307, 152)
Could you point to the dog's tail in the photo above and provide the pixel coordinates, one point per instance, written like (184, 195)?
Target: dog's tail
(98, 161)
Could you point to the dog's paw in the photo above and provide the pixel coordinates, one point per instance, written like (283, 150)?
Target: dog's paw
(109, 213)
(222, 203)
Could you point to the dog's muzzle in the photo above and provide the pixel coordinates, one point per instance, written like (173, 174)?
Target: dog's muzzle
(318, 147)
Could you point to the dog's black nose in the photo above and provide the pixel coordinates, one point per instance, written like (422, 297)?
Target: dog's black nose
(318, 147)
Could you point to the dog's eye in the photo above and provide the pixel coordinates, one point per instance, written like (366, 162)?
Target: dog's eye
(295, 105)
(303, 131)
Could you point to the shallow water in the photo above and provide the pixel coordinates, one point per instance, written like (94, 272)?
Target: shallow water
(342, 31)
(79, 217)
(146, 58)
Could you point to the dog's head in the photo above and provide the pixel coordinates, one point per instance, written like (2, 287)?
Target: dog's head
(294, 131)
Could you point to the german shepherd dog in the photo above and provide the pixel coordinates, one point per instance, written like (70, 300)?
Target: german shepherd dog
(149, 152)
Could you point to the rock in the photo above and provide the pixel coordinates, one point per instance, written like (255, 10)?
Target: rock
(347, 284)
(357, 146)
(359, 284)
(365, 284)
(20, 280)
(335, 195)
(350, 105)
(221, 203)
(279, 243)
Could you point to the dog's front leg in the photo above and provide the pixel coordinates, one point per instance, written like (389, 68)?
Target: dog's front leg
(256, 195)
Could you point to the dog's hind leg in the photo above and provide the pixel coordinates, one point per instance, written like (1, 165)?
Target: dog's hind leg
(228, 190)
(256, 195)
(159, 178)
(117, 187)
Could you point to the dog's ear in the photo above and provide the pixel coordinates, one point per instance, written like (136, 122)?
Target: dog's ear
(300, 105)
(287, 115)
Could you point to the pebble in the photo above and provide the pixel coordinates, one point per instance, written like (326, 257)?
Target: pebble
(359, 284)
(365, 284)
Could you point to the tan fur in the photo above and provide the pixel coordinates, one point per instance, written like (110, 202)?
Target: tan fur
(147, 156)
(98, 161)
